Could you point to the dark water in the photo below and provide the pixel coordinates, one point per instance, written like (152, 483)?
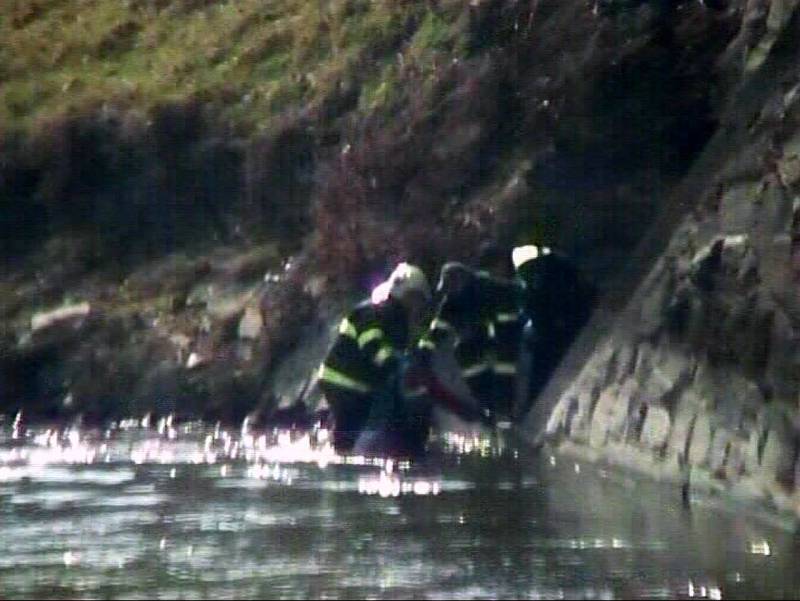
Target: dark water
(189, 512)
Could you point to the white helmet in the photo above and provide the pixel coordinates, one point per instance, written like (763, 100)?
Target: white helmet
(522, 254)
(405, 278)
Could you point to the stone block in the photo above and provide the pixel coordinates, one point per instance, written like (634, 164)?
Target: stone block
(626, 360)
(609, 417)
(797, 475)
(69, 313)
(779, 455)
(778, 209)
(700, 444)
(669, 369)
(682, 429)
(557, 421)
(629, 390)
(593, 375)
(735, 465)
(577, 423)
(656, 429)
(789, 170)
(251, 324)
(737, 207)
(705, 384)
(720, 448)
(654, 303)
(784, 358)
(751, 450)
(644, 362)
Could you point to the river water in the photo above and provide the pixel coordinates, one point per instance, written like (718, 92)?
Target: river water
(189, 511)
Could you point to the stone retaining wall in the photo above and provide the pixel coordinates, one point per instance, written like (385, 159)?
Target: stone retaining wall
(699, 380)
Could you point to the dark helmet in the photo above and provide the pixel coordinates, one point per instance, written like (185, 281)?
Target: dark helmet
(495, 258)
(453, 277)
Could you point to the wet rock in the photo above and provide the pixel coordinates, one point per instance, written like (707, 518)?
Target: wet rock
(70, 314)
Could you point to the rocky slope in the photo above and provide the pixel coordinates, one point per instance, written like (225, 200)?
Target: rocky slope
(697, 380)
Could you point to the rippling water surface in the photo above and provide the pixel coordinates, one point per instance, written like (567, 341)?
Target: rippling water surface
(187, 511)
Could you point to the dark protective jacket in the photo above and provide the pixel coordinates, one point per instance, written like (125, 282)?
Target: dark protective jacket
(360, 379)
(555, 298)
(557, 303)
(482, 323)
(369, 344)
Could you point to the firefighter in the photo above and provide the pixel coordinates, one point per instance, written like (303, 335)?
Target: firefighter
(479, 320)
(556, 304)
(361, 375)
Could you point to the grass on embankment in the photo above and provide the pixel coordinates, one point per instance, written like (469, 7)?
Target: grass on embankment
(252, 59)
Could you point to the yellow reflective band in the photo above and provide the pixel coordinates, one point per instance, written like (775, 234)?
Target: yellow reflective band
(332, 376)
(505, 368)
(366, 337)
(383, 354)
(490, 329)
(506, 317)
(425, 343)
(348, 329)
(441, 324)
(474, 370)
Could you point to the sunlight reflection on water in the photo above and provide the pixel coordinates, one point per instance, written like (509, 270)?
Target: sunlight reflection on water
(146, 509)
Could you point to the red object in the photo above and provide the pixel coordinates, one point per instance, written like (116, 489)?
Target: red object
(439, 392)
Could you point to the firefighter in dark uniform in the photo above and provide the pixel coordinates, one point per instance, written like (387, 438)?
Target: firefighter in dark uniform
(556, 303)
(479, 320)
(360, 374)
